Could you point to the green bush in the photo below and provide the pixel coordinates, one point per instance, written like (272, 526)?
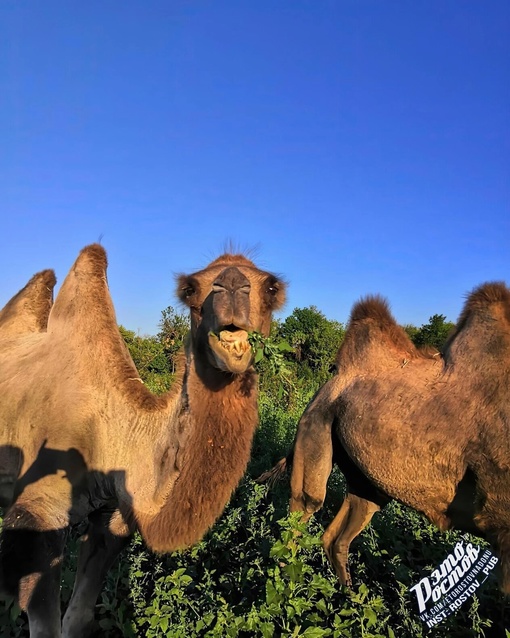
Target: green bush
(262, 573)
(259, 572)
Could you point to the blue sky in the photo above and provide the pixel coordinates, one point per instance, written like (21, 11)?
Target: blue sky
(361, 145)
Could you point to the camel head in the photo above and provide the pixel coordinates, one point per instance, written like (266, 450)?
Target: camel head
(228, 300)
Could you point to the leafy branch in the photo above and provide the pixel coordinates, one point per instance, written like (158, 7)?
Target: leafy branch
(269, 356)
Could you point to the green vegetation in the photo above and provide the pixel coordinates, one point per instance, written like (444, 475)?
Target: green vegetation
(434, 333)
(315, 340)
(252, 575)
(156, 357)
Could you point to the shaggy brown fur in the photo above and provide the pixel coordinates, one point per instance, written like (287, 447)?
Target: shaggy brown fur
(28, 311)
(81, 436)
(433, 433)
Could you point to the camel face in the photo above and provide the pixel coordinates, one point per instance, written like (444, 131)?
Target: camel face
(228, 300)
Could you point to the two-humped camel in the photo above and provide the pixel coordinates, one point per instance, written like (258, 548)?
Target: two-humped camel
(401, 423)
(81, 436)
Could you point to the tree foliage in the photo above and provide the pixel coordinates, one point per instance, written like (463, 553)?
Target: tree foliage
(147, 352)
(434, 333)
(315, 340)
(150, 359)
(173, 328)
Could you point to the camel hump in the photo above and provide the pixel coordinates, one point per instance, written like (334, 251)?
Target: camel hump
(483, 327)
(485, 296)
(374, 308)
(373, 337)
(371, 320)
(91, 262)
(84, 298)
(28, 310)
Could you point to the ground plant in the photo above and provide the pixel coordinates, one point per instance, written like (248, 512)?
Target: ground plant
(261, 573)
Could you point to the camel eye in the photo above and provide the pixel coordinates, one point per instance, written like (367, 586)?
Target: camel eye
(187, 288)
(272, 290)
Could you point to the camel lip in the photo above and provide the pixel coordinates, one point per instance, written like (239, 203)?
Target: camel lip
(232, 327)
(230, 333)
(231, 348)
(233, 333)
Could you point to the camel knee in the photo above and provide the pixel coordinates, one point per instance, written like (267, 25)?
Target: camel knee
(306, 503)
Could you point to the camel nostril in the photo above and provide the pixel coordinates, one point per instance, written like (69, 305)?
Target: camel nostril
(218, 288)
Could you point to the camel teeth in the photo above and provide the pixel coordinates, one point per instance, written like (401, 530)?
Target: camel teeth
(236, 347)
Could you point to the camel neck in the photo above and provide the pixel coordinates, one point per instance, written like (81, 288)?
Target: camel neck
(215, 431)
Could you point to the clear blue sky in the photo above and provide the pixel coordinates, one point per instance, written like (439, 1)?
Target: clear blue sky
(362, 145)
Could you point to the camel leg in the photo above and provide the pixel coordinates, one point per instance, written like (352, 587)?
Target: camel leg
(99, 548)
(354, 515)
(30, 565)
(500, 543)
(312, 463)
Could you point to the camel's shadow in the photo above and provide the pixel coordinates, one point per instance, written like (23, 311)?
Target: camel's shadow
(21, 540)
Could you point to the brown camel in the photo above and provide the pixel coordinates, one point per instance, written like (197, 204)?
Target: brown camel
(82, 437)
(430, 431)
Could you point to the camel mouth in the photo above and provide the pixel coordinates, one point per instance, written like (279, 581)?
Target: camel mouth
(231, 349)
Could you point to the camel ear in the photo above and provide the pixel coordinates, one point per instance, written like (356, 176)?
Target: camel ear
(273, 292)
(188, 289)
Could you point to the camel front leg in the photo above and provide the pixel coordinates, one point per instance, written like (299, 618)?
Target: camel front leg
(312, 462)
(30, 565)
(354, 515)
(99, 548)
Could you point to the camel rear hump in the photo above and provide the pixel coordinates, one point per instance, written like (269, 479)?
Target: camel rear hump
(373, 338)
(482, 334)
(485, 295)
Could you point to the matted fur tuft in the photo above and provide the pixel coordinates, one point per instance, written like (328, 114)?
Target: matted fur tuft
(372, 307)
(484, 296)
(278, 472)
(92, 260)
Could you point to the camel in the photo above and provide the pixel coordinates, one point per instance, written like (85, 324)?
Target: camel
(428, 430)
(83, 438)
